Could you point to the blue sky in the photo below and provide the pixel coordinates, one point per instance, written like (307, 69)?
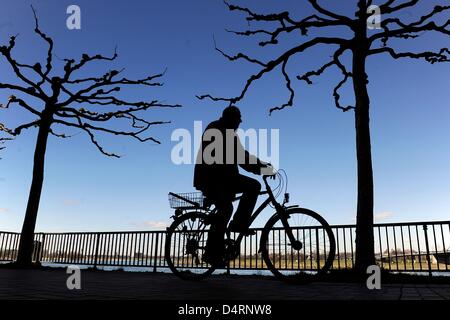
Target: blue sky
(86, 191)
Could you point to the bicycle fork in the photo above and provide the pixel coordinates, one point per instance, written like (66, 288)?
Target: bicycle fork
(295, 244)
(282, 212)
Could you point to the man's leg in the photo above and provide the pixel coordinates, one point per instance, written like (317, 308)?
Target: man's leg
(250, 189)
(215, 243)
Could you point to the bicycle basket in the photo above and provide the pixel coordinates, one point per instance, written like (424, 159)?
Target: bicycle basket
(186, 200)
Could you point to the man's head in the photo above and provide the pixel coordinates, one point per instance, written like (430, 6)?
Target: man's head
(231, 116)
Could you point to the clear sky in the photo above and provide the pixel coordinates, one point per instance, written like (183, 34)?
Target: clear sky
(87, 191)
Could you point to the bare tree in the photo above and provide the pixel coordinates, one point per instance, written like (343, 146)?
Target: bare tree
(65, 100)
(360, 45)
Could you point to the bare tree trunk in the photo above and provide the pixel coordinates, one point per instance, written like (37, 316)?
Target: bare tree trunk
(27, 236)
(365, 254)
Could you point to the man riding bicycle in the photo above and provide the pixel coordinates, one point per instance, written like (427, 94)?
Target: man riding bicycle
(217, 175)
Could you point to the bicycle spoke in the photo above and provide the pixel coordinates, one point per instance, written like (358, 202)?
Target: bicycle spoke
(185, 246)
(310, 254)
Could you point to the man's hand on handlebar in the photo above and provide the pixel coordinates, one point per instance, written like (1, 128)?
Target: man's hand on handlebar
(268, 170)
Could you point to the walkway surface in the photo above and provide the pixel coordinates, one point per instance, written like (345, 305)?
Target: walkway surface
(51, 284)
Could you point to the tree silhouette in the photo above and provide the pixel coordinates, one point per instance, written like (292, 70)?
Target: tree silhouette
(360, 45)
(67, 101)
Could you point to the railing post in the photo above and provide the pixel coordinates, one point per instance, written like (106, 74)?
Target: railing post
(40, 248)
(155, 263)
(427, 246)
(96, 250)
(35, 252)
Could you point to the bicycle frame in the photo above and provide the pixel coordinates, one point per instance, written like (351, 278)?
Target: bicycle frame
(280, 210)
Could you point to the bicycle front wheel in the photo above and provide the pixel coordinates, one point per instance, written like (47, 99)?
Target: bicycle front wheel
(185, 246)
(309, 256)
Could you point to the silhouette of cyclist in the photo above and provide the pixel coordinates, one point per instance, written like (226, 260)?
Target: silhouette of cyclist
(217, 175)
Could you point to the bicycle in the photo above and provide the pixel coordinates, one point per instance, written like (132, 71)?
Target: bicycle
(308, 236)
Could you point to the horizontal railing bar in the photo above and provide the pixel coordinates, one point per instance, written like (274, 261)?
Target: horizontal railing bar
(403, 224)
(398, 224)
(102, 232)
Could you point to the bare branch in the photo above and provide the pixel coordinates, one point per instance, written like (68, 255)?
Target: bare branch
(337, 96)
(306, 76)
(29, 91)
(22, 103)
(304, 25)
(70, 67)
(6, 52)
(89, 129)
(59, 135)
(81, 126)
(99, 147)
(386, 5)
(134, 134)
(69, 112)
(287, 24)
(3, 139)
(330, 14)
(386, 8)
(432, 57)
(7, 130)
(240, 56)
(289, 87)
(50, 48)
(318, 72)
(334, 62)
(269, 66)
(436, 10)
(107, 80)
(282, 17)
(17, 131)
(410, 30)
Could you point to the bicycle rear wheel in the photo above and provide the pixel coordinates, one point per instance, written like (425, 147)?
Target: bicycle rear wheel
(312, 253)
(185, 245)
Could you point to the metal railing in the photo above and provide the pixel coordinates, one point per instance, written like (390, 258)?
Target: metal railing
(402, 247)
(410, 247)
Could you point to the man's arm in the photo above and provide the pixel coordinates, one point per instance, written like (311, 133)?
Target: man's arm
(247, 161)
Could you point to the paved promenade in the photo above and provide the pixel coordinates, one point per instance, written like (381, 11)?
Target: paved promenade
(51, 284)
